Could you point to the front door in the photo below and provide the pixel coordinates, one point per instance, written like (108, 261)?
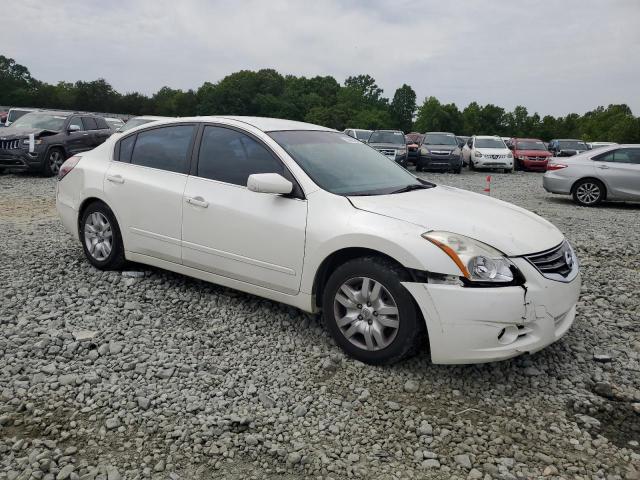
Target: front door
(231, 231)
(144, 187)
(620, 170)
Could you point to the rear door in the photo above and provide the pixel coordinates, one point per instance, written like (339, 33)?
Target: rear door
(228, 230)
(619, 169)
(144, 186)
(103, 131)
(78, 140)
(91, 128)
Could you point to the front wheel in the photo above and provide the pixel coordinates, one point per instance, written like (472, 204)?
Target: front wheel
(53, 160)
(588, 192)
(101, 239)
(368, 312)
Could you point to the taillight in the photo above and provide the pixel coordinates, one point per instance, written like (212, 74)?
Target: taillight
(556, 166)
(67, 166)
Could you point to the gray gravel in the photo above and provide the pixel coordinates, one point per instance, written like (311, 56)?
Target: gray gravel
(148, 374)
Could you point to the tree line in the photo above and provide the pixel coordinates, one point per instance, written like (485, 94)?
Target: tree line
(357, 103)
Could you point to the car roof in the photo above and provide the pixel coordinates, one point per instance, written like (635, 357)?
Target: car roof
(442, 133)
(267, 124)
(487, 136)
(527, 138)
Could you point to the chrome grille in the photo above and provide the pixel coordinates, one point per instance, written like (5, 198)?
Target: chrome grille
(388, 152)
(537, 159)
(440, 152)
(9, 144)
(558, 263)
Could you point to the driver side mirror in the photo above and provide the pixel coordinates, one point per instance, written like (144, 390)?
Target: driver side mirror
(73, 128)
(269, 183)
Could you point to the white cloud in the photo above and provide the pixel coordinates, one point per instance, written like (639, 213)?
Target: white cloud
(551, 57)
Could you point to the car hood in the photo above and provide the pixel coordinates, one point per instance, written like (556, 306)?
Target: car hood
(511, 229)
(448, 148)
(387, 145)
(493, 151)
(11, 132)
(533, 153)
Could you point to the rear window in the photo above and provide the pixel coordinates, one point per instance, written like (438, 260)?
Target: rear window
(165, 148)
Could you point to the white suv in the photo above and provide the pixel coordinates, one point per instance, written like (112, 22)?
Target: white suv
(487, 152)
(313, 218)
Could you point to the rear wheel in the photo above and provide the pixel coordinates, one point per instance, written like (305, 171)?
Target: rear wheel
(100, 237)
(588, 192)
(53, 160)
(369, 313)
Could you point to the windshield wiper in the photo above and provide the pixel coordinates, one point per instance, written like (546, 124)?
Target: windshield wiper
(408, 188)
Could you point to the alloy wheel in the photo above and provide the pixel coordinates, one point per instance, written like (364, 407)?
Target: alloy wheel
(55, 161)
(366, 313)
(588, 193)
(98, 236)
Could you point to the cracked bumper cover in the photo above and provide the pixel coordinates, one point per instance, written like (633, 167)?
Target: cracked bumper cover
(464, 324)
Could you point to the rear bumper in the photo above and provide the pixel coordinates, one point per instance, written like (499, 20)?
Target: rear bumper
(554, 183)
(476, 325)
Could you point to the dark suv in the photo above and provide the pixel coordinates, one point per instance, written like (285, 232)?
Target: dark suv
(439, 151)
(41, 141)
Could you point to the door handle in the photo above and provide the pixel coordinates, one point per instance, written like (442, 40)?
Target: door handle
(198, 202)
(603, 167)
(115, 178)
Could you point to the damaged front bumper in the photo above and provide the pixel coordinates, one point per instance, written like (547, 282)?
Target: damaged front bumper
(475, 325)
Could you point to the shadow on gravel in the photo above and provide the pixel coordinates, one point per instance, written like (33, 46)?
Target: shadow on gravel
(566, 200)
(619, 423)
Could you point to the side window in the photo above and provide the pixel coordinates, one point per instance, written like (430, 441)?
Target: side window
(165, 148)
(633, 154)
(126, 147)
(605, 157)
(230, 156)
(77, 122)
(102, 123)
(89, 123)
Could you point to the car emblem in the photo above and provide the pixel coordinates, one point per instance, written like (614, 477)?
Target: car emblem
(568, 258)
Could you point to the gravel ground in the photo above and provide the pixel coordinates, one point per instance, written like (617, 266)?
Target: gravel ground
(149, 374)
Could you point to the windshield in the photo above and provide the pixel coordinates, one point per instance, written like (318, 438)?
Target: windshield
(343, 165)
(362, 134)
(439, 139)
(44, 121)
(530, 145)
(16, 114)
(133, 123)
(489, 143)
(572, 145)
(387, 137)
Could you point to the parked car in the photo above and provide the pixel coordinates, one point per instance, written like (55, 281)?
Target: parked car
(358, 134)
(324, 223)
(16, 113)
(413, 140)
(529, 154)
(487, 152)
(567, 147)
(40, 141)
(594, 145)
(114, 123)
(391, 144)
(462, 140)
(137, 121)
(439, 151)
(608, 173)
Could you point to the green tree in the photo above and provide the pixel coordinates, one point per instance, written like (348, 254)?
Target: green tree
(403, 107)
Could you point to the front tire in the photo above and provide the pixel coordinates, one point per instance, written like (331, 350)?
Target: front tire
(101, 238)
(53, 160)
(368, 312)
(588, 192)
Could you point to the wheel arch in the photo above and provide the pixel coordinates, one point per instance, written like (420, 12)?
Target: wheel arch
(339, 257)
(88, 201)
(600, 181)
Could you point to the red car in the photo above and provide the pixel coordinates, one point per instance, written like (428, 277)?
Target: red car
(529, 154)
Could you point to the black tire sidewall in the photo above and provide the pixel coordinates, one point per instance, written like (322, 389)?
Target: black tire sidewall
(115, 259)
(46, 165)
(410, 320)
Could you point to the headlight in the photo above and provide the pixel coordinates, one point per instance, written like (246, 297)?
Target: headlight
(477, 154)
(402, 150)
(521, 157)
(477, 261)
(424, 151)
(37, 141)
(509, 155)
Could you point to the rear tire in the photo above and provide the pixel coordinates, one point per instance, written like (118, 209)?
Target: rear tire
(100, 237)
(53, 160)
(588, 192)
(362, 330)
(458, 170)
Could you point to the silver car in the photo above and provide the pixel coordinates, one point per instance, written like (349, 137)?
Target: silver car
(608, 173)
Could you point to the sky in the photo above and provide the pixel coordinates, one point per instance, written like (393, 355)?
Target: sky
(553, 57)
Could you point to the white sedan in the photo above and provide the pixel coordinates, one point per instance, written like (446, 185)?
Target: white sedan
(313, 218)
